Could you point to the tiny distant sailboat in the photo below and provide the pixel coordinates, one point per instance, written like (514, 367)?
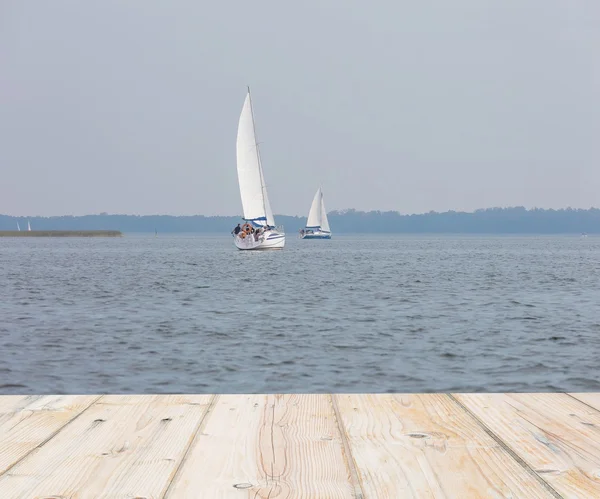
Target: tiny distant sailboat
(259, 231)
(317, 225)
(18, 227)
(28, 226)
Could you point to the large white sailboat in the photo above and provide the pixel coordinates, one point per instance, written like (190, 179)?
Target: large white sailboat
(317, 225)
(259, 231)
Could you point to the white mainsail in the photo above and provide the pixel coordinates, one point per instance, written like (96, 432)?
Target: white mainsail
(253, 191)
(317, 216)
(18, 228)
(314, 215)
(28, 226)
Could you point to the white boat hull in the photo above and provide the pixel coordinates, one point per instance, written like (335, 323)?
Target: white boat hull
(317, 235)
(269, 240)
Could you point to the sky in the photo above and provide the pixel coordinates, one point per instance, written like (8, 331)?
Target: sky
(132, 106)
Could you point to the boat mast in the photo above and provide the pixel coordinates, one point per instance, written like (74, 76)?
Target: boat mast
(262, 185)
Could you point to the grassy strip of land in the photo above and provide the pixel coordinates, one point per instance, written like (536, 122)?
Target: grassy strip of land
(60, 233)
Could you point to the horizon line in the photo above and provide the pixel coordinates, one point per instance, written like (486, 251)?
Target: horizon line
(344, 211)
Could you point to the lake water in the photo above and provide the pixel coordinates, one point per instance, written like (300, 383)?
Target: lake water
(145, 314)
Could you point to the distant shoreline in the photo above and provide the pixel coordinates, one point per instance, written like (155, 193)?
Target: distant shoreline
(61, 233)
(516, 220)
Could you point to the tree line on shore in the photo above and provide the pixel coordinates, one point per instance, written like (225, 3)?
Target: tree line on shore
(516, 220)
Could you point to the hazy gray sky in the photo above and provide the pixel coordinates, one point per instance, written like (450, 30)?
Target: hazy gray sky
(132, 106)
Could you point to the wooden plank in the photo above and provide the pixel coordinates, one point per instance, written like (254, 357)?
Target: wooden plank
(591, 399)
(122, 446)
(28, 421)
(266, 446)
(11, 405)
(259, 446)
(8, 403)
(558, 436)
(428, 446)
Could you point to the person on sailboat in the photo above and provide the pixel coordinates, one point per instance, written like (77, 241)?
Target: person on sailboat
(236, 230)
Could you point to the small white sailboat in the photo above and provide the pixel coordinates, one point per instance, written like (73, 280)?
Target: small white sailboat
(259, 231)
(317, 225)
(18, 227)
(28, 226)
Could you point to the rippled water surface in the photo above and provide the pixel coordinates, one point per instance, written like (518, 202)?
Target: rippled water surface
(145, 314)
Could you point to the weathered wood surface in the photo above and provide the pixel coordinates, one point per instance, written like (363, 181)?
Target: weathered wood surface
(27, 422)
(271, 446)
(554, 433)
(591, 399)
(292, 446)
(121, 446)
(428, 446)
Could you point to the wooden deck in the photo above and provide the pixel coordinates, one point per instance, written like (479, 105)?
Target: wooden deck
(287, 446)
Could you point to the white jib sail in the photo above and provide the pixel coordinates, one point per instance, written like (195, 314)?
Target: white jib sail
(324, 221)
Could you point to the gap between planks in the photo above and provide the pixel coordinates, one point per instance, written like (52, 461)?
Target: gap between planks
(193, 439)
(50, 437)
(509, 450)
(583, 398)
(347, 451)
